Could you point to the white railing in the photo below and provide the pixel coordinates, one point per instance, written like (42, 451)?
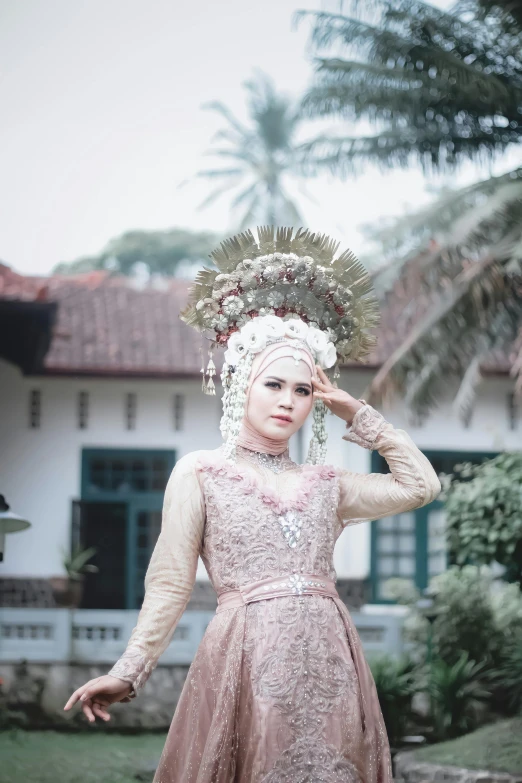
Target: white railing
(100, 636)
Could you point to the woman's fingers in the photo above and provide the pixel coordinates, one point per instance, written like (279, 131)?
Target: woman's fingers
(318, 383)
(87, 709)
(322, 374)
(324, 397)
(101, 711)
(78, 693)
(323, 379)
(74, 698)
(89, 692)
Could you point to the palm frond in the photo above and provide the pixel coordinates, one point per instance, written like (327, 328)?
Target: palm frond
(213, 196)
(245, 194)
(433, 230)
(451, 85)
(467, 392)
(469, 308)
(249, 216)
(384, 44)
(213, 173)
(225, 112)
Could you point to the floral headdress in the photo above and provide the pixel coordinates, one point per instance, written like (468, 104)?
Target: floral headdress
(280, 287)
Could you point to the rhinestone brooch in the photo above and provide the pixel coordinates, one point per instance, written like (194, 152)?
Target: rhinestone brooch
(291, 525)
(296, 583)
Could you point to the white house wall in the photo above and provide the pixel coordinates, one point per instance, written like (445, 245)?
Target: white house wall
(40, 469)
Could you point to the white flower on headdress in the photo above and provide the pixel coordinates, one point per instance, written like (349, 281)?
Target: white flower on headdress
(320, 285)
(294, 327)
(242, 319)
(270, 273)
(233, 305)
(232, 358)
(275, 299)
(293, 297)
(255, 337)
(317, 340)
(237, 342)
(219, 322)
(236, 348)
(271, 324)
(249, 280)
(328, 357)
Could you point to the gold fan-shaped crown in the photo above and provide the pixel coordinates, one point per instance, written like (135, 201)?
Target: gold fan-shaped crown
(290, 275)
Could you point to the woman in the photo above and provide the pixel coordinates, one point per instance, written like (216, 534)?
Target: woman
(279, 689)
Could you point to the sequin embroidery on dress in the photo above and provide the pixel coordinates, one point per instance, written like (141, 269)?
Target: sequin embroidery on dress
(273, 692)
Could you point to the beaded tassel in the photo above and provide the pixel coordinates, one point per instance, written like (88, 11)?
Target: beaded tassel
(211, 371)
(210, 387)
(202, 371)
(317, 448)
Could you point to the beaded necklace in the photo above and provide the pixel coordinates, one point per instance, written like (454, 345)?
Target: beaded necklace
(277, 463)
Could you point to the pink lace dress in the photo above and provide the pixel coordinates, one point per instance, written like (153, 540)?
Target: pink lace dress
(279, 689)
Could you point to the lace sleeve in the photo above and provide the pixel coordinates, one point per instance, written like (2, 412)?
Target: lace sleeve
(170, 575)
(411, 484)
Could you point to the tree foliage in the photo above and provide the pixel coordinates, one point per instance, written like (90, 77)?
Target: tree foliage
(441, 87)
(453, 268)
(444, 86)
(483, 505)
(159, 251)
(262, 158)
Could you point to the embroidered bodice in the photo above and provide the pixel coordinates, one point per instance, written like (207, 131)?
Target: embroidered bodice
(248, 522)
(261, 525)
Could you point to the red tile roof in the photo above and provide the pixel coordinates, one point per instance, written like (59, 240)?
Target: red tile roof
(105, 325)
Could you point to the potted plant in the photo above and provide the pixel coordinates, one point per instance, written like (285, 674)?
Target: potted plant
(68, 590)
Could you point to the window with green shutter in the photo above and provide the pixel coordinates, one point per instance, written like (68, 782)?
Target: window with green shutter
(413, 545)
(120, 514)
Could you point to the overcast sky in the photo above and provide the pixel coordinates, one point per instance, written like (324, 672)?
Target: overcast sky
(102, 120)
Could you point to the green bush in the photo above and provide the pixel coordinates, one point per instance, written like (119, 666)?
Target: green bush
(474, 614)
(477, 619)
(457, 695)
(506, 679)
(396, 683)
(483, 506)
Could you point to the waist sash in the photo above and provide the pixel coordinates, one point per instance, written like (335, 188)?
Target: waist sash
(273, 587)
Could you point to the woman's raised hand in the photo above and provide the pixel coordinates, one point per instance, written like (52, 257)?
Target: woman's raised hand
(338, 401)
(96, 695)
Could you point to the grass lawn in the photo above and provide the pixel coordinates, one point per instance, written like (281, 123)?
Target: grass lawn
(51, 756)
(106, 757)
(497, 747)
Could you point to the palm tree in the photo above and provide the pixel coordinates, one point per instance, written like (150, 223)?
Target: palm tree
(263, 157)
(442, 88)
